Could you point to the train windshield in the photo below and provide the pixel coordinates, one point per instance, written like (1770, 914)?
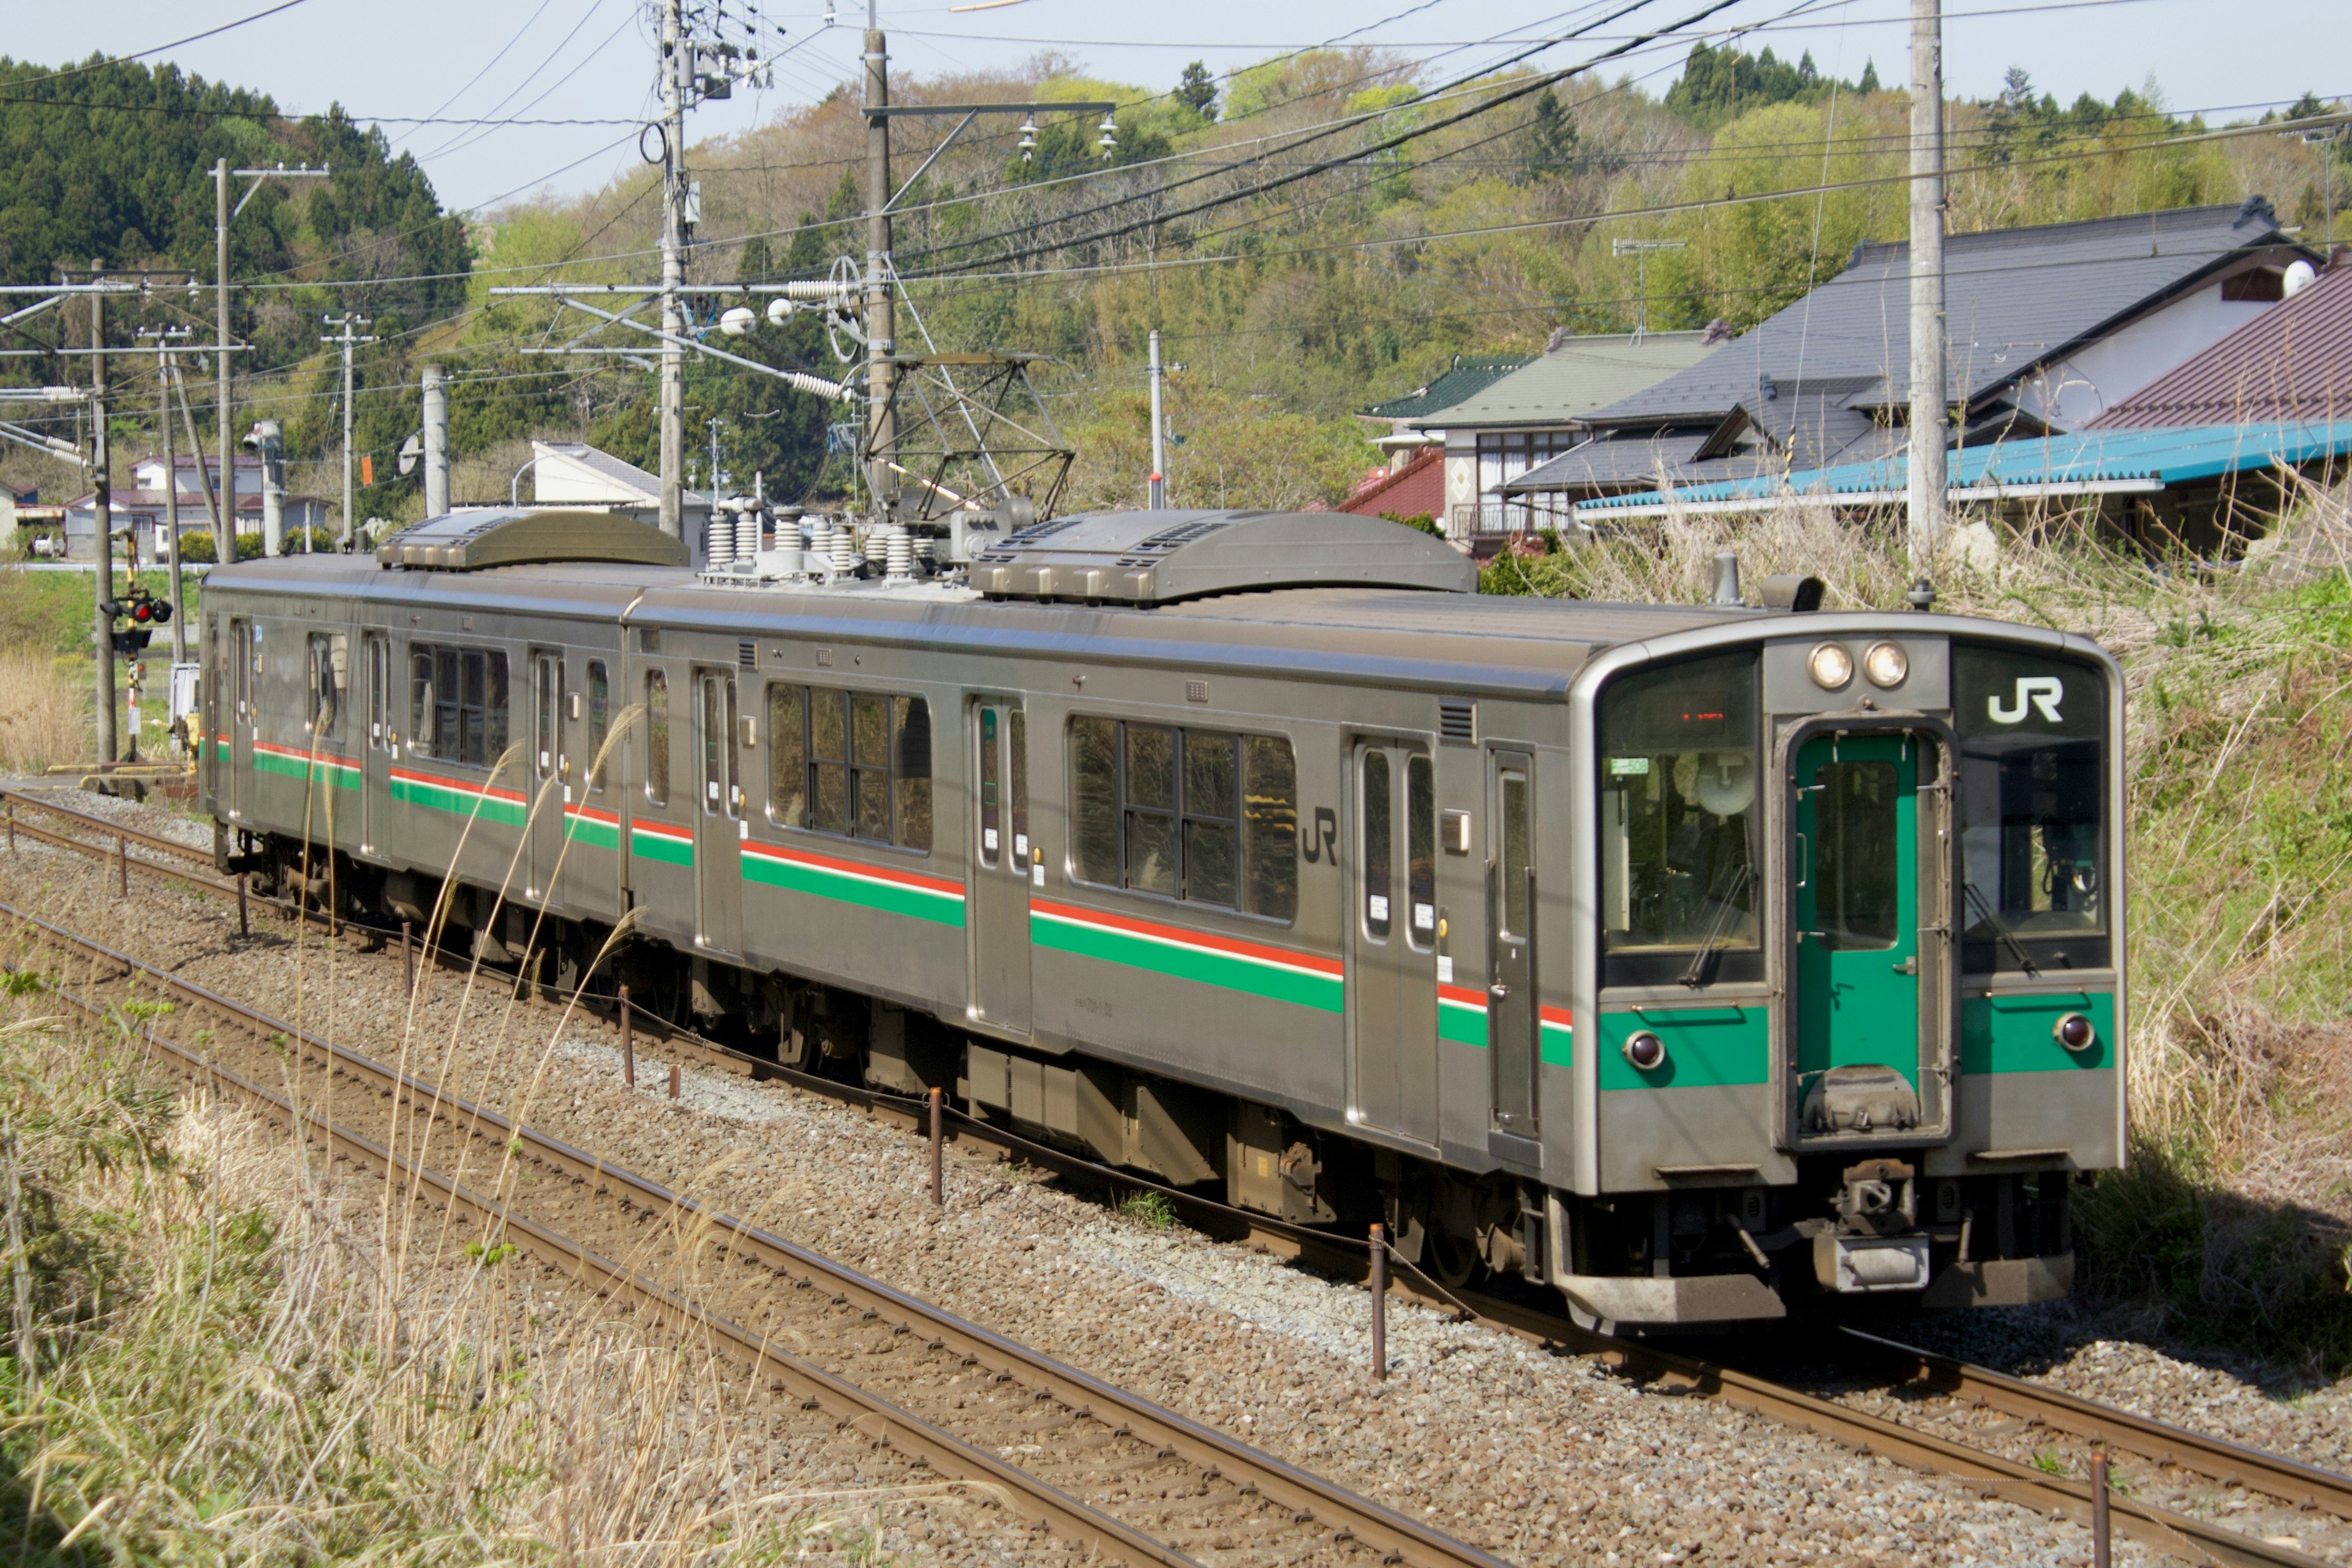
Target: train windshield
(1679, 821)
(2033, 793)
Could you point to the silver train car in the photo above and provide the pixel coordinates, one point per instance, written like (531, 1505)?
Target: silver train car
(1703, 964)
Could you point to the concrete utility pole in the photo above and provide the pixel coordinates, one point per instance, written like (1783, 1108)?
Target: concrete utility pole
(881, 322)
(172, 501)
(343, 336)
(678, 60)
(1158, 501)
(1927, 416)
(101, 461)
(437, 442)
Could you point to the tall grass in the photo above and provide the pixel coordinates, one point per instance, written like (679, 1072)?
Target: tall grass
(44, 710)
(2234, 1222)
(211, 1352)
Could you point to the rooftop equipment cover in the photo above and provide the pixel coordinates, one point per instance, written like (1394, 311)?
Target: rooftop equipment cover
(1158, 557)
(502, 536)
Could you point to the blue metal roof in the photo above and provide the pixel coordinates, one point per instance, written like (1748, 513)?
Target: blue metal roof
(2087, 459)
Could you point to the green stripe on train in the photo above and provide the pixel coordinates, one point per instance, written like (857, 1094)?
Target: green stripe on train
(441, 797)
(1323, 993)
(1706, 1048)
(654, 846)
(2012, 1032)
(595, 835)
(824, 882)
(1464, 1025)
(346, 775)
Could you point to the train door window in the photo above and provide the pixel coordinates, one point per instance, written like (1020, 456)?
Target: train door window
(326, 668)
(1421, 849)
(787, 756)
(379, 663)
(600, 721)
(1204, 816)
(829, 761)
(1857, 867)
(1517, 855)
(238, 668)
(722, 789)
(991, 790)
(658, 737)
(1380, 845)
(546, 693)
(1017, 770)
(248, 705)
(869, 764)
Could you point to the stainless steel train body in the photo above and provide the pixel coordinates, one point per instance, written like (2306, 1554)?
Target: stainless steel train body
(1690, 960)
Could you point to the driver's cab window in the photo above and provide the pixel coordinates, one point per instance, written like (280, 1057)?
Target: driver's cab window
(1680, 814)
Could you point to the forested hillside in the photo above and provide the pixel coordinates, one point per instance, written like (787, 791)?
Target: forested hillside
(1309, 234)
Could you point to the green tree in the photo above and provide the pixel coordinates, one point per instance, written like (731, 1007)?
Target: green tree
(1197, 90)
(1549, 140)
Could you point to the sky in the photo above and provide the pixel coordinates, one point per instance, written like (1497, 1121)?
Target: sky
(590, 61)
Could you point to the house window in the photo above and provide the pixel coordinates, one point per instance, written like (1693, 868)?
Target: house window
(457, 703)
(854, 764)
(1204, 816)
(1504, 455)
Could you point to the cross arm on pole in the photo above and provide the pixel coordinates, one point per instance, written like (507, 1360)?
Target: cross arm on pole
(925, 167)
(281, 172)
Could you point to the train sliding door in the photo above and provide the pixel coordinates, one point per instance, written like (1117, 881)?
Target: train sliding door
(245, 674)
(718, 817)
(1511, 1011)
(1001, 856)
(1392, 940)
(550, 772)
(376, 657)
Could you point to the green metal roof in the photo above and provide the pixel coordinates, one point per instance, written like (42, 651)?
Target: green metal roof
(1465, 377)
(1579, 376)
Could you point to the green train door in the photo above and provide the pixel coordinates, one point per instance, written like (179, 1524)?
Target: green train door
(1859, 966)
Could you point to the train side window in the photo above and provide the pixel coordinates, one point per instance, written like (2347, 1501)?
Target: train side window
(330, 674)
(458, 701)
(423, 737)
(1204, 816)
(1017, 806)
(658, 737)
(787, 756)
(600, 721)
(854, 763)
(1679, 819)
(1421, 850)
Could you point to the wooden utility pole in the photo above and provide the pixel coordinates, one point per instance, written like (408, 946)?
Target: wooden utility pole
(1928, 416)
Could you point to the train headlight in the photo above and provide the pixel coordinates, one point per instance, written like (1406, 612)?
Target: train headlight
(1886, 664)
(2074, 1032)
(1831, 664)
(1645, 1050)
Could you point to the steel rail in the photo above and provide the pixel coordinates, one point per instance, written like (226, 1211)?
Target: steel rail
(2288, 1481)
(2301, 1486)
(17, 796)
(881, 1421)
(1393, 1536)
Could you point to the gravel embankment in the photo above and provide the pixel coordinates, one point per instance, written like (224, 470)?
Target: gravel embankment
(1536, 1457)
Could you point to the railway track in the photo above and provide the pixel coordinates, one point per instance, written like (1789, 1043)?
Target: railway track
(1087, 1457)
(2174, 1460)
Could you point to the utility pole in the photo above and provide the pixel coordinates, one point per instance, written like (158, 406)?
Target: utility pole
(1927, 416)
(344, 325)
(103, 508)
(881, 324)
(676, 59)
(1158, 501)
(223, 215)
(165, 366)
(437, 442)
(714, 423)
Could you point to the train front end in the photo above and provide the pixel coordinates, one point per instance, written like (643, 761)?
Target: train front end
(1854, 970)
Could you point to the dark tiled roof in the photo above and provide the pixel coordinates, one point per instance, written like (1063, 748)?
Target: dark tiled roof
(1637, 462)
(2012, 297)
(1467, 375)
(2292, 361)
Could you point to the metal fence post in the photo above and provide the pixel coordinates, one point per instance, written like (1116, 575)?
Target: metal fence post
(243, 926)
(938, 1179)
(1380, 1302)
(2099, 1538)
(407, 959)
(122, 865)
(628, 1043)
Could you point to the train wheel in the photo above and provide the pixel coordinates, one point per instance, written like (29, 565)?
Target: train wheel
(1453, 1261)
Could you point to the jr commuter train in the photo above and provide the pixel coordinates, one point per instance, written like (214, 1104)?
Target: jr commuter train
(1701, 963)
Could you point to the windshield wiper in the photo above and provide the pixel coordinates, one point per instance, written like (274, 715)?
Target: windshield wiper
(1701, 972)
(2008, 937)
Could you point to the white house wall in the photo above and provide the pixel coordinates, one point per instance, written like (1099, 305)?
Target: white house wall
(2074, 391)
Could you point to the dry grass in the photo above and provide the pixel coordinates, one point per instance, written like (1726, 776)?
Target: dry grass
(216, 1349)
(44, 711)
(2235, 1221)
